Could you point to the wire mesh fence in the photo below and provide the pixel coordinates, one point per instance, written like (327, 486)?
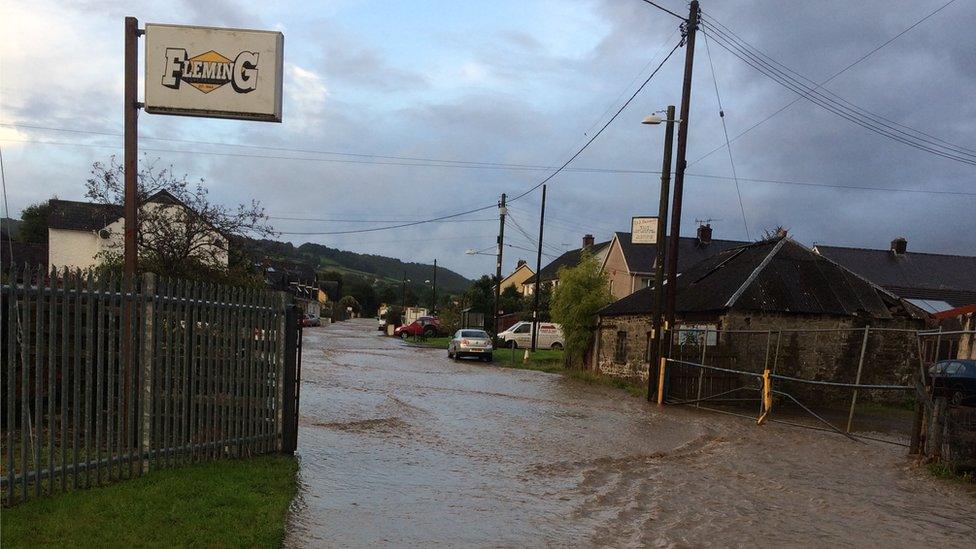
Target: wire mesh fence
(103, 381)
(858, 382)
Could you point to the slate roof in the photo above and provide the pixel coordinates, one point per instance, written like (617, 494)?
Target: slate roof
(912, 275)
(777, 275)
(640, 257)
(82, 216)
(91, 216)
(568, 259)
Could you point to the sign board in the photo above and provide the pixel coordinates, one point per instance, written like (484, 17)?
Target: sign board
(643, 230)
(215, 73)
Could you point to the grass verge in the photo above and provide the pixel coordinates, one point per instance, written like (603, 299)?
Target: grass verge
(943, 471)
(227, 503)
(552, 362)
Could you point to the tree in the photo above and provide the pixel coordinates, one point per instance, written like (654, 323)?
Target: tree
(190, 241)
(35, 222)
(480, 296)
(348, 302)
(510, 301)
(582, 291)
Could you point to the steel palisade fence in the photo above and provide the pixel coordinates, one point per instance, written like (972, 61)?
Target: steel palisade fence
(103, 382)
(866, 383)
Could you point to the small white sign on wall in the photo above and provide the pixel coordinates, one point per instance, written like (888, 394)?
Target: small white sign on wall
(643, 230)
(213, 72)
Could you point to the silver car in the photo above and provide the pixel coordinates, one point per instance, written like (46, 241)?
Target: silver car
(467, 342)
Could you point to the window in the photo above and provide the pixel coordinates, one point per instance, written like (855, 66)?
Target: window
(620, 349)
(523, 329)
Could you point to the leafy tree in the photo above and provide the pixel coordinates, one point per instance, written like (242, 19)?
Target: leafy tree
(510, 301)
(345, 303)
(582, 291)
(480, 296)
(35, 222)
(188, 241)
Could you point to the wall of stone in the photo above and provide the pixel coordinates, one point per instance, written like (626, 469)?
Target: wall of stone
(634, 367)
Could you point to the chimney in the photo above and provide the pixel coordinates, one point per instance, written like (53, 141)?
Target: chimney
(899, 246)
(520, 263)
(704, 234)
(587, 240)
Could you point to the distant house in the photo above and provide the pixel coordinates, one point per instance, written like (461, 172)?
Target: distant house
(934, 282)
(630, 266)
(775, 284)
(550, 273)
(81, 233)
(517, 278)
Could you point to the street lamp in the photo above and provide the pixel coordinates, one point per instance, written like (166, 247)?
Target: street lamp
(403, 292)
(662, 219)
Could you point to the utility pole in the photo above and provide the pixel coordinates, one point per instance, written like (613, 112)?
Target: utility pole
(679, 180)
(538, 273)
(662, 224)
(403, 293)
(433, 306)
(130, 208)
(498, 264)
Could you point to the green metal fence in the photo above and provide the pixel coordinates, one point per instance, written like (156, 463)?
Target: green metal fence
(104, 381)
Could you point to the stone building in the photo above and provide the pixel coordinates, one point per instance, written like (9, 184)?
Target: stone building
(771, 302)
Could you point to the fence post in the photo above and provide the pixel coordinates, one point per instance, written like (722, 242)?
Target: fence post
(289, 425)
(148, 348)
(701, 371)
(857, 379)
(933, 442)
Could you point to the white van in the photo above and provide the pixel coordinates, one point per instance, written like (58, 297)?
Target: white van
(520, 335)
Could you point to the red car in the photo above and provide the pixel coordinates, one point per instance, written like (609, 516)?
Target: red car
(425, 325)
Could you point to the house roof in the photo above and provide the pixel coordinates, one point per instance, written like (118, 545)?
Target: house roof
(640, 258)
(776, 275)
(915, 275)
(82, 216)
(516, 271)
(568, 259)
(92, 216)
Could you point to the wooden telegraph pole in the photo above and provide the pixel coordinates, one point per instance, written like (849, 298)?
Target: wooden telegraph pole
(662, 224)
(679, 180)
(131, 206)
(498, 264)
(538, 271)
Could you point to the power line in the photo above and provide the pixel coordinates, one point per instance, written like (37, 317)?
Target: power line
(725, 130)
(332, 220)
(835, 75)
(666, 10)
(597, 134)
(852, 113)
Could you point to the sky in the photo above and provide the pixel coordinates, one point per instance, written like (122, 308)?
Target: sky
(524, 83)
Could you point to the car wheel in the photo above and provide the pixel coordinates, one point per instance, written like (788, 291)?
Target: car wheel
(486, 358)
(557, 346)
(404, 335)
(957, 398)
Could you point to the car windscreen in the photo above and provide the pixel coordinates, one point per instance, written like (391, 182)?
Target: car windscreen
(474, 333)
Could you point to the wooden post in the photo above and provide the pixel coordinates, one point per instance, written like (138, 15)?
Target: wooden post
(857, 379)
(933, 444)
(148, 358)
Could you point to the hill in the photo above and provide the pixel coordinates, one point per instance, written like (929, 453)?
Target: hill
(356, 265)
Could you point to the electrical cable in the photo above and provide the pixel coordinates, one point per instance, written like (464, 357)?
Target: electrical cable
(597, 134)
(863, 119)
(725, 130)
(835, 75)
(666, 10)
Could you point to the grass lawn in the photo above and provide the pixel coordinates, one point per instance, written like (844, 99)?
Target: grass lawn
(543, 360)
(227, 503)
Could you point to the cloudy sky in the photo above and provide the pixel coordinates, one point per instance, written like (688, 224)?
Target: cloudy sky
(527, 83)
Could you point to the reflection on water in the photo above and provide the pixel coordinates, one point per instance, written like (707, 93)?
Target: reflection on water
(401, 446)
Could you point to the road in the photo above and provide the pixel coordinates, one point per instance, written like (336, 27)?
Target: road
(400, 446)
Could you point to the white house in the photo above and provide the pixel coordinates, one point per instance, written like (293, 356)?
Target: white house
(80, 234)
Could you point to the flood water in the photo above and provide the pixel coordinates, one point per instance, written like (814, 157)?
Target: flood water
(400, 446)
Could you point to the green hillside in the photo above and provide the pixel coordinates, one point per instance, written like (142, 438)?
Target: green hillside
(365, 266)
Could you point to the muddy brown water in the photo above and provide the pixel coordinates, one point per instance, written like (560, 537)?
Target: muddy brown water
(400, 446)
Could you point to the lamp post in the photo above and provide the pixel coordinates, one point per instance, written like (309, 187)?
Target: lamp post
(662, 220)
(403, 293)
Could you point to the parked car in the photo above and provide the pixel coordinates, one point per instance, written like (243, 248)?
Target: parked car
(311, 320)
(381, 320)
(956, 380)
(468, 342)
(426, 325)
(520, 335)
